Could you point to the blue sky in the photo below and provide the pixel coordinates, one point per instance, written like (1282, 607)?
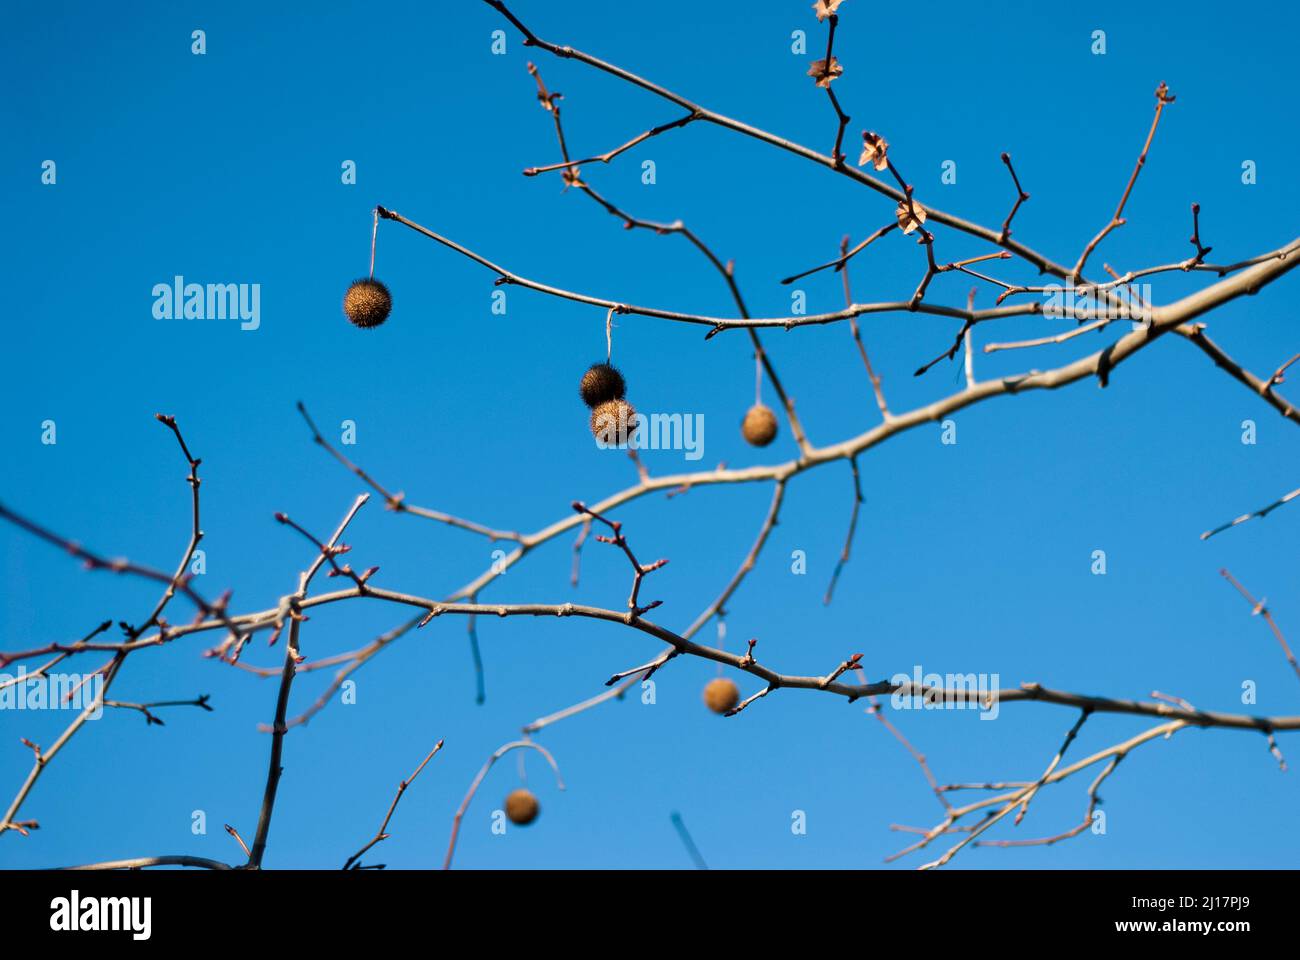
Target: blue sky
(973, 557)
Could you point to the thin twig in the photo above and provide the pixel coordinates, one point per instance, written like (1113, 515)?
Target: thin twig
(382, 834)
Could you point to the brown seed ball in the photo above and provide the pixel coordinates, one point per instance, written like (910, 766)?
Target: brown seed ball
(522, 807)
(721, 695)
(612, 423)
(367, 303)
(759, 426)
(602, 382)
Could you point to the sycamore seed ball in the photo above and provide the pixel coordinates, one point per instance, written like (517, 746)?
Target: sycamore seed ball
(367, 303)
(522, 807)
(601, 383)
(759, 426)
(721, 695)
(612, 422)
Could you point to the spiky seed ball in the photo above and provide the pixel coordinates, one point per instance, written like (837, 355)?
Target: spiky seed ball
(522, 807)
(759, 426)
(367, 303)
(602, 382)
(721, 695)
(612, 422)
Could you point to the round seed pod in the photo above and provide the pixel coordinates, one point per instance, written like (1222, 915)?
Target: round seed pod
(367, 303)
(721, 695)
(601, 383)
(522, 807)
(759, 425)
(612, 422)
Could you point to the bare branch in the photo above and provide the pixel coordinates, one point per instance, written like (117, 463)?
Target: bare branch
(1260, 609)
(353, 862)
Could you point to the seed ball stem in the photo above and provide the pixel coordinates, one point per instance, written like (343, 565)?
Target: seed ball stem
(601, 383)
(367, 303)
(522, 807)
(759, 425)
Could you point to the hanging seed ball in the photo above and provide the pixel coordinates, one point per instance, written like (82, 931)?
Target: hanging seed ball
(367, 303)
(612, 422)
(759, 426)
(601, 383)
(522, 807)
(721, 695)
